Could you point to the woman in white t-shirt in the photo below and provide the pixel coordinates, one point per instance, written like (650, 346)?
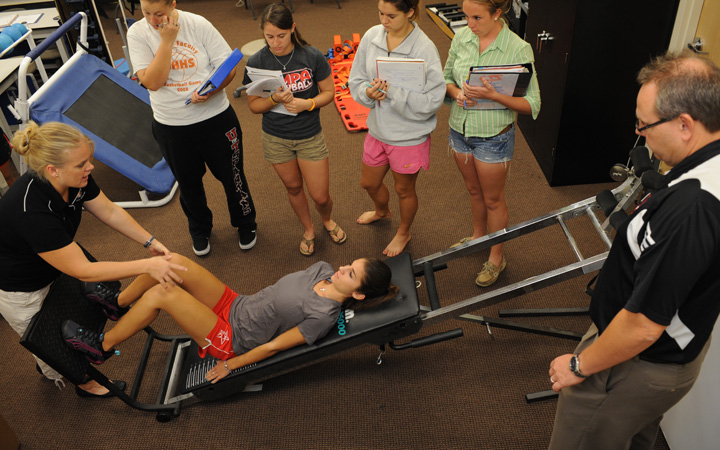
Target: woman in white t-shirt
(238, 330)
(173, 52)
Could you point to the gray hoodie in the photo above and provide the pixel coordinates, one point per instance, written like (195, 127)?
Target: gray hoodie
(404, 118)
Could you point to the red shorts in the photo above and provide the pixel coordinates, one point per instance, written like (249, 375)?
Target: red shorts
(402, 159)
(219, 341)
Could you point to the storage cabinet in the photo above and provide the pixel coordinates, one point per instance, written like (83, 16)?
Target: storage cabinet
(587, 56)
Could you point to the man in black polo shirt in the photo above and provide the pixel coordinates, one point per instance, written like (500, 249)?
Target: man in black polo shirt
(658, 294)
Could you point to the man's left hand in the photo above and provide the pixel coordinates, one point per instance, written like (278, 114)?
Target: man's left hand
(560, 374)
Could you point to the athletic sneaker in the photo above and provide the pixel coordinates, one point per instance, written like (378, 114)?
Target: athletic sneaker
(248, 238)
(85, 341)
(107, 298)
(201, 245)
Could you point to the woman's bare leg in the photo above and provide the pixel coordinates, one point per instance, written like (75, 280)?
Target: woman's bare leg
(371, 179)
(466, 165)
(408, 203)
(198, 281)
(195, 317)
(492, 180)
(292, 179)
(317, 179)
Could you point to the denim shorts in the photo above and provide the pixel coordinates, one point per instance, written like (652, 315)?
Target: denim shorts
(495, 149)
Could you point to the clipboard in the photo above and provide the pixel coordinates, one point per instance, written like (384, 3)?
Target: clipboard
(506, 79)
(216, 78)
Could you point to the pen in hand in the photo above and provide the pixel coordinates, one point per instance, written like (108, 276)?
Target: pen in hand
(370, 85)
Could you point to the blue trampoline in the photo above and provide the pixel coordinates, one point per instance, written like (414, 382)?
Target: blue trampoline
(111, 109)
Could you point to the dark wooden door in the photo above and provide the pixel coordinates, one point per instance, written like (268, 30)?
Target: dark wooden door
(549, 29)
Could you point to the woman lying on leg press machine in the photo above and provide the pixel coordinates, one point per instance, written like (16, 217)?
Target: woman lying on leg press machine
(238, 330)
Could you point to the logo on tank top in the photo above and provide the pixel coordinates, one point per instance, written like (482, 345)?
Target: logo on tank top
(184, 60)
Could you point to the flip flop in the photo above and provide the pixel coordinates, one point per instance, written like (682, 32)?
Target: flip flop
(308, 243)
(334, 234)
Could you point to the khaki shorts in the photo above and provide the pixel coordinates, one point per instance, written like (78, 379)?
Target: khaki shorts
(278, 150)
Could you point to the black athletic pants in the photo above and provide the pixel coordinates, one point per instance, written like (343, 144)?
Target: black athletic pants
(216, 142)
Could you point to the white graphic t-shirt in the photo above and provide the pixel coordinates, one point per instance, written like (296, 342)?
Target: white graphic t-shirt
(198, 49)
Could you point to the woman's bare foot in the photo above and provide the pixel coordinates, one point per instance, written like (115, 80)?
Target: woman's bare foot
(372, 216)
(397, 245)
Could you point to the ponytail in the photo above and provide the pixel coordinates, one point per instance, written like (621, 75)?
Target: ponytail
(376, 286)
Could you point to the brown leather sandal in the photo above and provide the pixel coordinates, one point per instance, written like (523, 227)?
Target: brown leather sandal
(308, 243)
(334, 234)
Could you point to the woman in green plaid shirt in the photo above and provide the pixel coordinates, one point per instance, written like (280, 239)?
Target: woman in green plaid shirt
(483, 139)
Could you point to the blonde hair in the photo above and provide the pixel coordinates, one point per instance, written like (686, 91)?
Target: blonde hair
(167, 2)
(47, 144)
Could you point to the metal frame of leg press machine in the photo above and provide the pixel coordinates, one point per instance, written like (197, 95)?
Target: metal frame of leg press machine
(613, 203)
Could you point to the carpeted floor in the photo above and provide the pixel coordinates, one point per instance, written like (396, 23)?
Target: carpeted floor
(463, 394)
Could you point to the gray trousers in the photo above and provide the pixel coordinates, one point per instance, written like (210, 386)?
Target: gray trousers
(621, 407)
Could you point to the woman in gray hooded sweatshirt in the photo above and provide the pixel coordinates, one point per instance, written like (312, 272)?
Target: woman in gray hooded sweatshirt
(400, 119)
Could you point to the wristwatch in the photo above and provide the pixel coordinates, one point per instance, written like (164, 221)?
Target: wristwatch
(575, 367)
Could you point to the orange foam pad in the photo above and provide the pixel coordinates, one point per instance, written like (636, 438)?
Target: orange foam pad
(337, 44)
(341, 72)
(353, 114)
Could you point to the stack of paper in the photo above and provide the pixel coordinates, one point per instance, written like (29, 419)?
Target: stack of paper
(265, 82)
(406, 73)
(512, 80)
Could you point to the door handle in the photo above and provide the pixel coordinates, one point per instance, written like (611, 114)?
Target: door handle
(543, 37)
(697, 45)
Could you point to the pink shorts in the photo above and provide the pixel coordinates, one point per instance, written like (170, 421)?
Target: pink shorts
(218, 342)
(402, 159)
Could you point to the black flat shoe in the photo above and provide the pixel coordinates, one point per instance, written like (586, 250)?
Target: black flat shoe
(120, 384)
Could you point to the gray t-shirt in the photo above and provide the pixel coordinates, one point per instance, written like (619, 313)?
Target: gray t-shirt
(307, 66)
(259, 318)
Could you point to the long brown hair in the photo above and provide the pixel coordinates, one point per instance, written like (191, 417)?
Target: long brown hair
(278, 15)
(376, 286)
(405, 6)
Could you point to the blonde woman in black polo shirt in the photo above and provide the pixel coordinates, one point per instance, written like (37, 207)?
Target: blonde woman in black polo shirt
(39, 217)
